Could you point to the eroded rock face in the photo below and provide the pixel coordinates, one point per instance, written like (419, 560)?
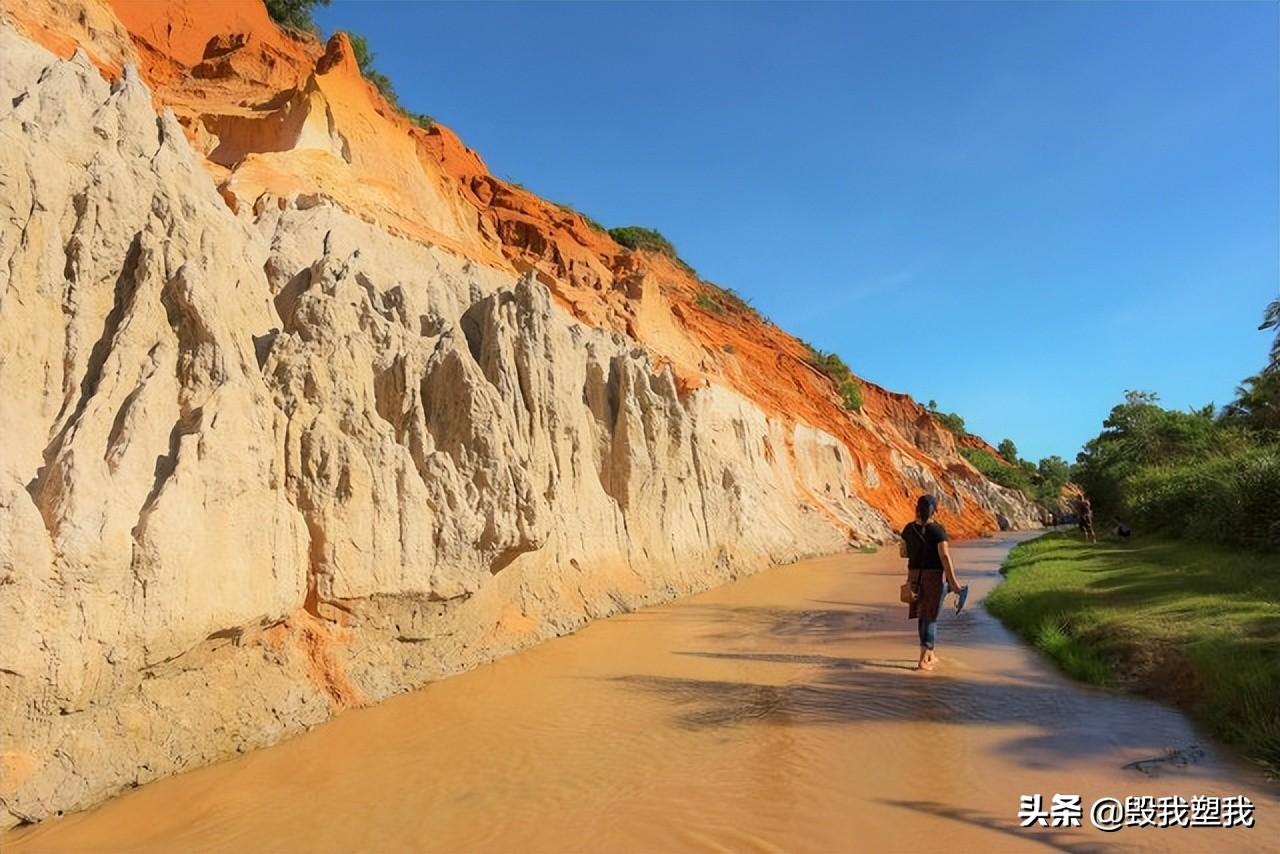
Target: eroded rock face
(263, 465)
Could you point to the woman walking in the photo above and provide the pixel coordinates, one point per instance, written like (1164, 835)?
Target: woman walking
(928, 565)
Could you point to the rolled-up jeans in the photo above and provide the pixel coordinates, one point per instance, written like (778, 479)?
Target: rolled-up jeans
(929, 605)
(928, 632)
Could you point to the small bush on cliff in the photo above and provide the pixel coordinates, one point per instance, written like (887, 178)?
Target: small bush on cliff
(851, 394)
(649, 240)
(295, 14)
(829, 363)
(847, 385)
(952, 422)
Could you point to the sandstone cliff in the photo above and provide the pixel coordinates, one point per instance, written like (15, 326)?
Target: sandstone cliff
(302, 407)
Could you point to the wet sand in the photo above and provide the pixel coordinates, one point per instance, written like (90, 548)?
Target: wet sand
(777, 713)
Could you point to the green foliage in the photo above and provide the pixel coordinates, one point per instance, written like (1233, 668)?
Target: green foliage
(833, 367)
(1040, 483)
(851, 393)
(1008, 450)
(1187, 473)
(952, 422)
(649, 240)
(1012, 476)
(1257, 403)
(360, 49)
(422, 120)
(1137, 433)
(295, 14)
(1271, 320)
(364, 58)
(1232, 499)
(1158, 616)
(829, 363)
(1052, 474)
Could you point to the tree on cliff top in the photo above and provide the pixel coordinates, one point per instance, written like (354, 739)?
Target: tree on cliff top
(1008, 450)
(295, 14)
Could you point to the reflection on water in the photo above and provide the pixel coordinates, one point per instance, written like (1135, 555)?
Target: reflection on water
(777, 713)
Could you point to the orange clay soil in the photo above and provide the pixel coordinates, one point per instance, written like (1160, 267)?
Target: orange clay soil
(277, 114)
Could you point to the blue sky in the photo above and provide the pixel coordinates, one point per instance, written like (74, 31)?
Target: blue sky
(1019, 210)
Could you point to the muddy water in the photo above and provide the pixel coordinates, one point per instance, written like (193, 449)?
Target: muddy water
(776, 713)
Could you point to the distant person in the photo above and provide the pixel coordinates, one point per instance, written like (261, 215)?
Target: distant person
(1122, 530)
(924, 544)
(1084, 515)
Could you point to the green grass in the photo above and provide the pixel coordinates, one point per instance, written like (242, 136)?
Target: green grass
(1192, 623)
(706, 303)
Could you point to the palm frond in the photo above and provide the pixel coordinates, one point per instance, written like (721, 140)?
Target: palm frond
(1271, 320)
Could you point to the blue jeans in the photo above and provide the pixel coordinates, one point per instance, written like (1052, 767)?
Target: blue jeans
(928, 631)
(929, 628)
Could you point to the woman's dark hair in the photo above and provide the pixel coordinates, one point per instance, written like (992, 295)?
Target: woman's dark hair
(925, 505)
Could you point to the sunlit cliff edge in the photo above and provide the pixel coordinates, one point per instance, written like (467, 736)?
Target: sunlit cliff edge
(303, 407)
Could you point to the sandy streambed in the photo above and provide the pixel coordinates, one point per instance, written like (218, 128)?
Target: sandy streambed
(775, 713)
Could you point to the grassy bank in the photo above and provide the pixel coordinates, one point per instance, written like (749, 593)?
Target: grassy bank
(1195, 624)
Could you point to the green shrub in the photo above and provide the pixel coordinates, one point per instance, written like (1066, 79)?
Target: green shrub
(1232, 499)
(649, 240)
(829, 363)
(295, 14)
(833, 367)
(1014, 477)
(952, 422)
(851, 394)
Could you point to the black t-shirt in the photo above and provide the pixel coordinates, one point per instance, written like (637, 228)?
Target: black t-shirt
(922, 544)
